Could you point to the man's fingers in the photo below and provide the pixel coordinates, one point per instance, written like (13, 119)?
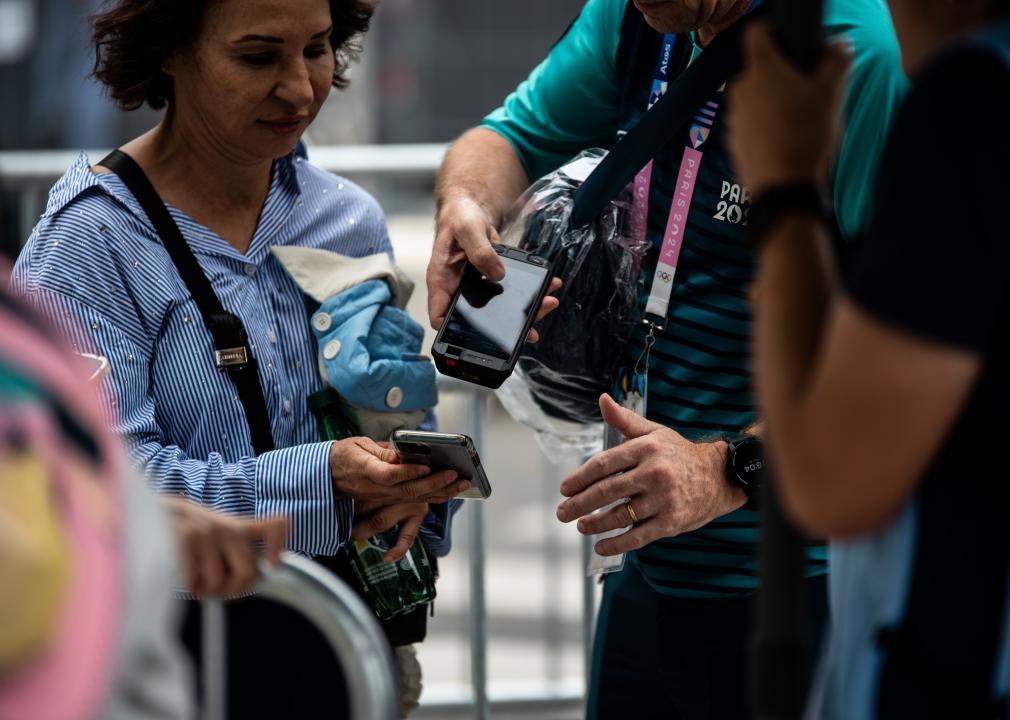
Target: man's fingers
(476, 239)
(408, 532)
(549, 304)
(597, 496)
(441, 286)
(637, 537)
(440, 289)
(614, 518)
(600, 466)
(626, 422)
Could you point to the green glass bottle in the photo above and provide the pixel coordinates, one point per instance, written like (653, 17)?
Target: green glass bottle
(391, 588)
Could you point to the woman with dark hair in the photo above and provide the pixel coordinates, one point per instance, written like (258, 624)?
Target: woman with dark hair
(884, 381)
(240, 80)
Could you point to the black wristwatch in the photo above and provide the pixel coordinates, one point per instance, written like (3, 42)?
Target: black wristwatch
(745, 467)
(775, 203)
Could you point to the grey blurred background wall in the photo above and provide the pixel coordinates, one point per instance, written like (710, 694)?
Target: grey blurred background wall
(431, 68)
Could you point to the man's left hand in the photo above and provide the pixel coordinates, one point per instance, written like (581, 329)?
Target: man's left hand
(674, 485)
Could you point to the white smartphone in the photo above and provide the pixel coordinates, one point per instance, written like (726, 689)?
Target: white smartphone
(443, 451)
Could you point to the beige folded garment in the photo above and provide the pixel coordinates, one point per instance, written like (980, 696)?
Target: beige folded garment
(321, 274)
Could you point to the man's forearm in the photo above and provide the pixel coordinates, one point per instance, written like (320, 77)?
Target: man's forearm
(481, 166)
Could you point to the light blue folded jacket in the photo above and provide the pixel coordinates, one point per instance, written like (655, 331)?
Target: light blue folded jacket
(370, 350)
(368, 345)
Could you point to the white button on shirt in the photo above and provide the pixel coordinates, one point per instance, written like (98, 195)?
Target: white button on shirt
(322, 321)
(332, 349)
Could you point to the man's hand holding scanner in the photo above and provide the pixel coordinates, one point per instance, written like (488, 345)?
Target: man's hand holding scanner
(672, 485)
(464, 233)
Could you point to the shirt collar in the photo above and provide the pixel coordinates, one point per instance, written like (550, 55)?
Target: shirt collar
(77, 179)
(284, 191)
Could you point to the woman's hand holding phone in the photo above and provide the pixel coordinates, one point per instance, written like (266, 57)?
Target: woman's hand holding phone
(366, 471)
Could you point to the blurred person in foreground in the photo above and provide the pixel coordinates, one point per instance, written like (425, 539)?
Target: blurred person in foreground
(87, 557)
(883, 378)
(674, 624)
(240, 81)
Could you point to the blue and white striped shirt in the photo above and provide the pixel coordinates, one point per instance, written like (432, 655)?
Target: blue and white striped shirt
(97, 267)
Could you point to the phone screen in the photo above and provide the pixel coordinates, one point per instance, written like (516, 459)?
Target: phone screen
(489, 317)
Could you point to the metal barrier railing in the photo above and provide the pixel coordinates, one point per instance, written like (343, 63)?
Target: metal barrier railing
(340, 616)
(31, 173)
(477, 398)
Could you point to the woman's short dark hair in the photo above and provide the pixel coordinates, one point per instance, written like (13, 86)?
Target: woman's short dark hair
(133, 36)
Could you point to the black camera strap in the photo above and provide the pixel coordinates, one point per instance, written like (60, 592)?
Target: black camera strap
(231, 344)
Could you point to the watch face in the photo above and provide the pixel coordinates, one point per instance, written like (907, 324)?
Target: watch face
(748, 462)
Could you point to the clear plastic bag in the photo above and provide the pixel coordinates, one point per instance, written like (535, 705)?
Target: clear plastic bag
(557, 383)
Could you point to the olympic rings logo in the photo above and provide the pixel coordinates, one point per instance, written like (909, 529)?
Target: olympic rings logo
(664, 276)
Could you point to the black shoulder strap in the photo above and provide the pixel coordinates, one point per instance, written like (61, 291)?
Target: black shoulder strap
(231, 345)
(721, 60)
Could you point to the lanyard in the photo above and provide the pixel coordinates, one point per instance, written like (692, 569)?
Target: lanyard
(666, 268)
(643, 180)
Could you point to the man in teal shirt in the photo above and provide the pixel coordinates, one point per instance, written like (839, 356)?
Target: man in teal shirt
(673, 627)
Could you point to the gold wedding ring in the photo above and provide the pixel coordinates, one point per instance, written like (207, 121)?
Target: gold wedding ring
(631, 512)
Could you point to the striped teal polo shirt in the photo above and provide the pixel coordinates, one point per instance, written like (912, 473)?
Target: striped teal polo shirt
(594, 83)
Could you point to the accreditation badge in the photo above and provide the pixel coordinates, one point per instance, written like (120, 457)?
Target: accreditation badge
(631, 392)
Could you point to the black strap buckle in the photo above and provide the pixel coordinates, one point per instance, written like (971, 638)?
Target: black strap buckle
(232, 357)
(231, 344)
